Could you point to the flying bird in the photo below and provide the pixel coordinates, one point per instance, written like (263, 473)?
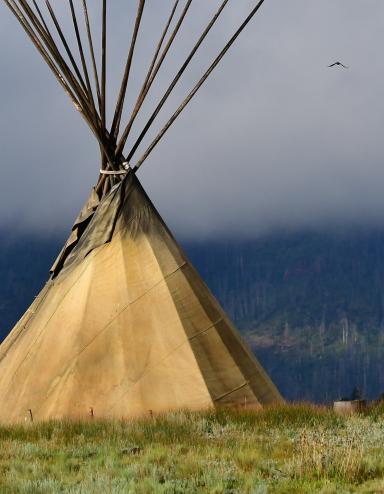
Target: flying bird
(338, 63)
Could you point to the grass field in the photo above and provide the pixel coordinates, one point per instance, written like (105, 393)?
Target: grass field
(279, 450)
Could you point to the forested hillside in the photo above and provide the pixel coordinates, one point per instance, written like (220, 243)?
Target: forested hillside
(24, 266)
(310, 304)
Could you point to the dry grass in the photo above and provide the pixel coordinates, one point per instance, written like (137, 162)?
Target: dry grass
(279, 450)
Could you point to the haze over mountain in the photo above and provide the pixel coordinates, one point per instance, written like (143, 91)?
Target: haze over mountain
(275, 139)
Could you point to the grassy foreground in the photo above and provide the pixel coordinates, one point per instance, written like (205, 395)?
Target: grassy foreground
(279, 450)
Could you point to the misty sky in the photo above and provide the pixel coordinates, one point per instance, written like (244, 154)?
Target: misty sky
(274, 139)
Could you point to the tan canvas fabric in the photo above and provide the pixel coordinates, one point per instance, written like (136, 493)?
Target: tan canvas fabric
(126, 328)
(78, 229)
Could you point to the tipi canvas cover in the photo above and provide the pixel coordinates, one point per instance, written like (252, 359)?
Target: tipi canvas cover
(127, 328)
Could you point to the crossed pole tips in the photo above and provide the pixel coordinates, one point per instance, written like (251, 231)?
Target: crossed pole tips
(86, 82)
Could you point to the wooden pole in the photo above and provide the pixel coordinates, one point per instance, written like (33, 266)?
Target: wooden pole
(78, 86)
(41, 49)
(83, 61)
(151, 72)
(81, 99)
(52, 48)
(104, 64)
(169, 44)
(198, 86)
(88, 83)
(173, 83)
(95, 74)
(103, 74)
(53, 59)
(124, 84)
(41, 17)
(92, 52)
(65, 44)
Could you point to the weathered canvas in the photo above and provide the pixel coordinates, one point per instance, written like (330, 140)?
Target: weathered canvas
(126, 328)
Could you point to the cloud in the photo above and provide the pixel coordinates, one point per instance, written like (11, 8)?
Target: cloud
(275, 139)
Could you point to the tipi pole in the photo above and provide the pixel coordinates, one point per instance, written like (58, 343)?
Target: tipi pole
(103, 88)
(152, 72)
(169, 44)
(104, 65)
(95, 74)
(53, 50)
(65, 44)
(79, 102)
(92, 52)
(198, 86)
(124, 83)
(83, 62)
(173, 83)
(41, 17)
(97, 121)
(160, 44)
(47, 37)
(43, 52)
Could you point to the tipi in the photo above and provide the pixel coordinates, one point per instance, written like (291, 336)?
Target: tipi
(124, 326)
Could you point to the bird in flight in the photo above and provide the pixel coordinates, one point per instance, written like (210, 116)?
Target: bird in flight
(339, 64)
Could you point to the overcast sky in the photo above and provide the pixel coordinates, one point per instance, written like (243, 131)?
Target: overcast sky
(274, 140)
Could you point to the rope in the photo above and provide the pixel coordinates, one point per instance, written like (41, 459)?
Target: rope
(113, 172)
(126, 166)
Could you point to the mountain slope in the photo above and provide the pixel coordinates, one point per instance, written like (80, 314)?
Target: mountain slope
(310, 304)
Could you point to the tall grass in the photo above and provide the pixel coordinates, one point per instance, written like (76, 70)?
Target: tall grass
(283, 449)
